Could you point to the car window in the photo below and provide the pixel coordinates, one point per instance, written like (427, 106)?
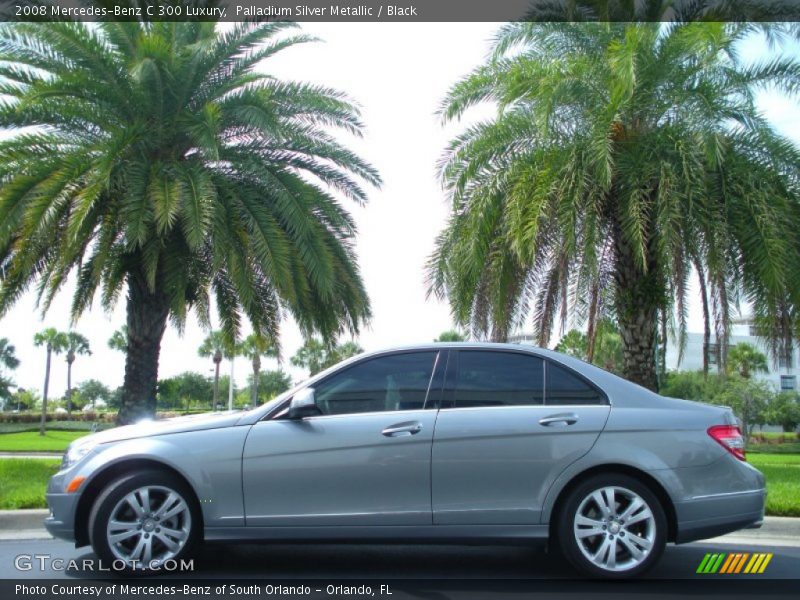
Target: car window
(498, 379)
(386, 383)
(564, 387)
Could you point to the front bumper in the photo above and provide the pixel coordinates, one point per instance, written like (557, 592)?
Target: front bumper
(61, 522)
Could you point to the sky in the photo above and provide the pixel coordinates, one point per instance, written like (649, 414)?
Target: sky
(398, 73)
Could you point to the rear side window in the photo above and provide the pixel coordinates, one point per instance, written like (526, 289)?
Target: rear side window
(498, 379)
(564, 387)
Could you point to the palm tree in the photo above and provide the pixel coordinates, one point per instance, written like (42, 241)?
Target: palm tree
(313, 355)
(161, 160)
(254, 347)
(745, 359)
(451, 335)
(5, 391)
(215, 347)
(54, 341)
(606, 352)
(8, 360)
(622, 156)
(75, 344)
(316, 355)
(573, 343)
(8, 357)
(119, 339)
(345, 350)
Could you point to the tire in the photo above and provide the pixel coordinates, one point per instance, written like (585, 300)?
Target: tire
(615, 543)
(130, 538)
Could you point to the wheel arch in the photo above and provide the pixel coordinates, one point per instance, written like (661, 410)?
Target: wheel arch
(110, 473)
(645, 478)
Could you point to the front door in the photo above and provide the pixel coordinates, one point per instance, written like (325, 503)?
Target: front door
(511, 422)
(364, 461)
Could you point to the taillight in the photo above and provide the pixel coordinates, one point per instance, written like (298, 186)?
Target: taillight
(730, 438)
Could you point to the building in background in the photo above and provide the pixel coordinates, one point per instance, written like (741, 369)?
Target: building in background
(781, 371)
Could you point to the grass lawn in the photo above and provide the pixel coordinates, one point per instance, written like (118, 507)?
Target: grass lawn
(784, 448)
(783, 482)
(777, 436)
(31, 441)
(54, 425)
(23, 481)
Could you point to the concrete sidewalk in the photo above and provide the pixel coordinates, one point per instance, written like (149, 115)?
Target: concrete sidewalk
(776, 531)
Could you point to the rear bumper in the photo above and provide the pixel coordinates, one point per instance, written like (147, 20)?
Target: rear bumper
(717, 514)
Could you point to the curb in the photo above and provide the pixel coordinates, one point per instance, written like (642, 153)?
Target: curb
(30, 455)
(27, 519)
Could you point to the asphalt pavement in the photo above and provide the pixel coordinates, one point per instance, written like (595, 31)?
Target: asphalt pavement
(357, 561)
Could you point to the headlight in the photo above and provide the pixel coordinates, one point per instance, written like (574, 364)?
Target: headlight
(75, 452)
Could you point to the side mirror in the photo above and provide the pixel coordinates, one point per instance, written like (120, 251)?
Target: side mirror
(303, 405)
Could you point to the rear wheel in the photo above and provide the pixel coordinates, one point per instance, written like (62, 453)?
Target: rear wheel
(612, 526)
(142, 520)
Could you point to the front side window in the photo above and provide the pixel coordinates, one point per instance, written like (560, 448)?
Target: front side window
(386, 383)
(564, 387)
(498, 379)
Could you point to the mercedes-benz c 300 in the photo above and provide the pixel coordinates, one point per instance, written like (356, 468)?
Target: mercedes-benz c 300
(435, 443)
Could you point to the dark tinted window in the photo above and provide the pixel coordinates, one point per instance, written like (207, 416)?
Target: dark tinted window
(498, 379)
(394, 382)
(564, 387)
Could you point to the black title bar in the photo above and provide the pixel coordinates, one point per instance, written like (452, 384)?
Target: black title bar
(400, 10)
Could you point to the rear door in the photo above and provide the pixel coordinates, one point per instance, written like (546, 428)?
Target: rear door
(509, 424)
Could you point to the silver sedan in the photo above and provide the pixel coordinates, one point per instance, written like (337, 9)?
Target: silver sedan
(442, 443)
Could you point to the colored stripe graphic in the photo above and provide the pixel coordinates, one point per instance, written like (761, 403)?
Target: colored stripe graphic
(711, 563)
(703, 563)
(764, 564)
(726, 566)
(740, 564)
(734, 563)
(754, 562)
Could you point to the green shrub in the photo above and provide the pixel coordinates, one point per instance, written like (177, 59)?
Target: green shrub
(784, 410)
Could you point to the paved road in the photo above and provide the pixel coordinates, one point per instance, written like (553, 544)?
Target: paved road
(288, 561)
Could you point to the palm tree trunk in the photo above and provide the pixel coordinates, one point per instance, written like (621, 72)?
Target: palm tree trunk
(662, 355)
(706, 317)
(69, 387)
(638, 296)
(216, 384)
(147, 321)
(44, 393)
(591, 332)
(256, 370)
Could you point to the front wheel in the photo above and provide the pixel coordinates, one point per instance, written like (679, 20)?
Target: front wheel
(140, 521)
(612, 526)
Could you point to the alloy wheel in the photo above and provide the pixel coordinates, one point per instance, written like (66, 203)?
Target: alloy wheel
(149, 526)
(614, 528)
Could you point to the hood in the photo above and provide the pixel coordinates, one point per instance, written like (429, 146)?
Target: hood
(165, 426)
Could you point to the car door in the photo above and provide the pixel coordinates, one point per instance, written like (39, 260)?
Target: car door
(364, 461)
(509, 424)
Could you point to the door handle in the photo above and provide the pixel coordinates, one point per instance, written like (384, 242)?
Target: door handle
(565, 418)
(403, 429)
